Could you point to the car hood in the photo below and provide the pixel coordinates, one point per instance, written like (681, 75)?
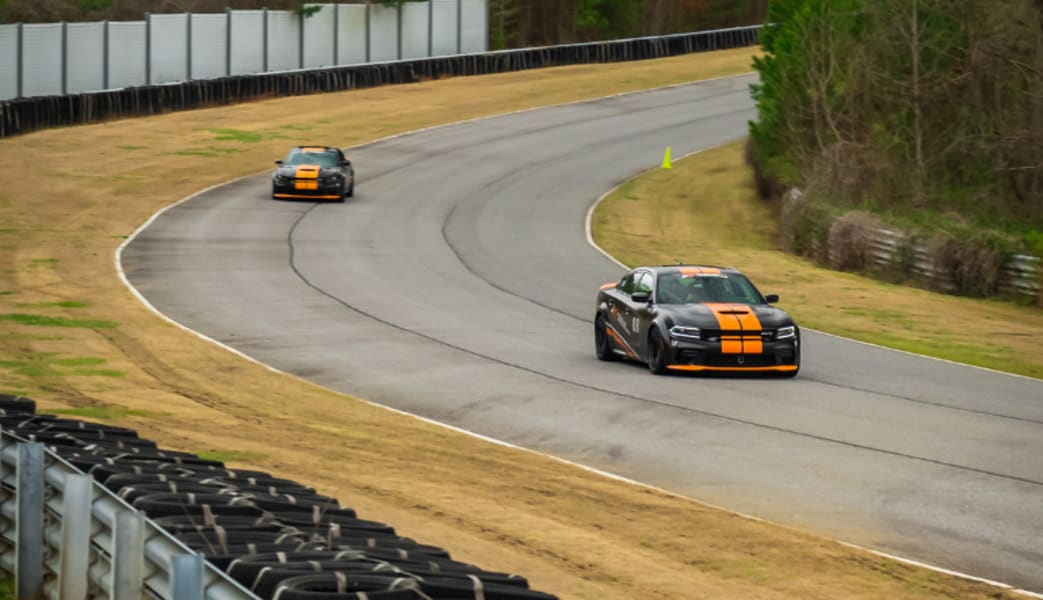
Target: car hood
(703, 316)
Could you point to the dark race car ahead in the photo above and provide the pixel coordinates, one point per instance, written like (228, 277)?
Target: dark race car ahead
(694, 318)
(314, 173)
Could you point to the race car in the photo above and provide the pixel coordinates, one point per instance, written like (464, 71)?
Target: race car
(694, 318)
(314, 173)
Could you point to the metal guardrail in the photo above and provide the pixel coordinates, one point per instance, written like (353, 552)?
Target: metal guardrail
(63, 536)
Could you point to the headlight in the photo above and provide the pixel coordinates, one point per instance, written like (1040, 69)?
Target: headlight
(680, 331)
(786, 333)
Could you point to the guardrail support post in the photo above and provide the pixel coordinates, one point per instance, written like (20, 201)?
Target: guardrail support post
(105, 58)
(65, 58)
(336, 34)
(29, 522)
(76, 537)
(264, 39)
(188, 46)
(368, 41)
(398, 36)
(228, 41)
(19, 67)
(459, 26)
(128, 554)
(188, 577)
(430, 28)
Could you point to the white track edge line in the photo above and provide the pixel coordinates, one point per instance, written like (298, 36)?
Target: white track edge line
(141, 298)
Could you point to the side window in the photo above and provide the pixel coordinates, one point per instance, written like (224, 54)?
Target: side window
(627, 284)
(644, 283)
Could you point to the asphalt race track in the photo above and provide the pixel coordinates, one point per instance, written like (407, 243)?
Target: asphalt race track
(458, 285)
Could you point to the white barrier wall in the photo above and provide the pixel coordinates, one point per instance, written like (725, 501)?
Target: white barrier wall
(444, 27)
(237, 42)
(383, 33)
(85, 45)
(169, 55)
(319, 33)
(283, 41)
(42, 57)
(415, 19)
(351, 43)
(126, 54)
(475, 27)
(209, 33)
(248, 41)
(8, 61)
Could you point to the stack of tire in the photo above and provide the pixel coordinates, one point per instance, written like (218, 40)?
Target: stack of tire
(279, 538)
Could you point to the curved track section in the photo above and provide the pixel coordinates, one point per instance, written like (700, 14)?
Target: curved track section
(458, 285)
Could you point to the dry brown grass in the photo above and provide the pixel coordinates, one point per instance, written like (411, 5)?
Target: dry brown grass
(677, 214)
(74, 194)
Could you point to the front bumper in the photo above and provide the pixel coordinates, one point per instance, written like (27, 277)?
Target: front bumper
(300, 189)
(699, 355)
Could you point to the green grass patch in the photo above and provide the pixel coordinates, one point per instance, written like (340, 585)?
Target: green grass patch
(226, 456)
(241, 135)
(292, 127)
(7, 293)
(132, 147)
(43, 263)
(61, 304)
(47, 321)
(7, 589)
(45, 365)
(106, 413)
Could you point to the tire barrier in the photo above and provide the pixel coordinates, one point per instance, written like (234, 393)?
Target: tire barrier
(22, 115)
(278, 538)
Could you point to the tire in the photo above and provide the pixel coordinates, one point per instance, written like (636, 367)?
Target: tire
(341, 193)
(351, 189)
(656, 352)
(602, 343)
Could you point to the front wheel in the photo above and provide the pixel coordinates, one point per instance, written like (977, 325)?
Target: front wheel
(602, 344)
(656, 353)
(351, 189)
(793, 373)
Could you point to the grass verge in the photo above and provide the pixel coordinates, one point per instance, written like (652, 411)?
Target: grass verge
(677, 214)
(573, 533)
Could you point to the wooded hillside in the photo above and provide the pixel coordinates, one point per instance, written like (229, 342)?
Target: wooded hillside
(927, 114)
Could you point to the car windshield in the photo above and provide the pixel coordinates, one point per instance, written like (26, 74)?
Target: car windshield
(321, 157)
(677, 287)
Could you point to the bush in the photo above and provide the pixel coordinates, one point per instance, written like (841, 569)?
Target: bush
(850, 241)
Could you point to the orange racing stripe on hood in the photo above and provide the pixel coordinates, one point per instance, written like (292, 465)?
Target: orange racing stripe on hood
(734, 319)
(308, 171)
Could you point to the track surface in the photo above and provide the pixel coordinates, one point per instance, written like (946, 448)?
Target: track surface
(458, 285)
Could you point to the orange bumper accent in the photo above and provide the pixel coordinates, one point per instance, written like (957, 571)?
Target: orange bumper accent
(775, 368)
(307, 196)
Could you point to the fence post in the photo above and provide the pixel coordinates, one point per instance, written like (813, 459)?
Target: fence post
(148, 48)
(228, 41)
(128, 554)
(20, 43)
(398, 21)
(264, 39)
(300, 38)
(336, 34)
(76, 537)
(65, 58)
(105, 59)
(368, 52)
(29, 535)
(187, 576)
(188, 46)
(459, 26)
(430, 28)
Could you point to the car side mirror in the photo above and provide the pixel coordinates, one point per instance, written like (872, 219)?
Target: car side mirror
(771, 298)
(346, 163)
(641, 297)
(278, 162)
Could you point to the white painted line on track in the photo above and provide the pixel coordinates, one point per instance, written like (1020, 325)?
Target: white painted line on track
(137, 294)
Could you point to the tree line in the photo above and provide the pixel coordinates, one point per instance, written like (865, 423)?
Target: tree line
(926, 113)
(512, 23)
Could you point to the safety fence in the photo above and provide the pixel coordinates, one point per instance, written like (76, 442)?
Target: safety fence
(23, 115)
(91, 510)
(60, 58)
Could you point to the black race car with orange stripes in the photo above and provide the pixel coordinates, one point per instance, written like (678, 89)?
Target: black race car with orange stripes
(694, 318)
(314, 173)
